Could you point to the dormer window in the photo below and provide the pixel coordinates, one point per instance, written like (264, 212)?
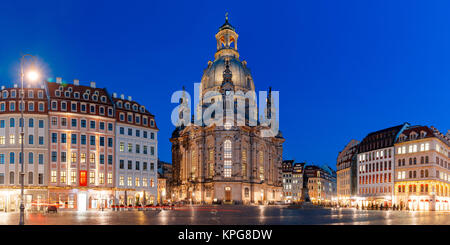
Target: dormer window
(152, 122)
(96, 92)
(30, 94)
(423, 134)
(119, 104)
(13, 93)
(135, 108)
(142, 109)
(76, 95)
(70, 89)
(67, 94)
(61, 88)
(86, 96)
(94, 97)
(87, 91)
(5, 94)
(127, 106)
(103, 99)
(57, 93)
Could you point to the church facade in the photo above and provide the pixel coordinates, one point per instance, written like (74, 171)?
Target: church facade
(226, 162)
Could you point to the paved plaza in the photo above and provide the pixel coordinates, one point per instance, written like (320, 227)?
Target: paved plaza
(234, 215)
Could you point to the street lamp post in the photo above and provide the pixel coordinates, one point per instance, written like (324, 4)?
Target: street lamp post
(32, 75)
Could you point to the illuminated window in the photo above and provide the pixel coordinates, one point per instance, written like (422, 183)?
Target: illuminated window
(12, 140)
(261, 165)
(121, 180)
(244, 163)
(91, 177)
(138, 183)
(101, 178)
(92, 158)
(227, 158)
(130, 147)
(144, 182)
(152, 183)
(53, 176)
(2, 140)
(122, 147)
(110, 178)
(73, 157)
(193, 164)
(63, 177)
(130, 181)
(83, 157)
(73, 177)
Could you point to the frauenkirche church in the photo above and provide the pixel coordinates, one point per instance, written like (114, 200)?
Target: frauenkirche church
(229, 163)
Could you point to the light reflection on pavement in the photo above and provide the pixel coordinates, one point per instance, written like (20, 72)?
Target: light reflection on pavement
(233, 215)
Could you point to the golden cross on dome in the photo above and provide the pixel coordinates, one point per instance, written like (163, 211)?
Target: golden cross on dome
(226, 16)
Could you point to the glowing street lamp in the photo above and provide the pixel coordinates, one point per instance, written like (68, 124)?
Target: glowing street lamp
(33, 76)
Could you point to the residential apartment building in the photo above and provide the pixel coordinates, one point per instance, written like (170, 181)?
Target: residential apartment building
(35, 159)
(137, 153)
(286, 173)
(376, 167)
(346, 174)
(422, 171)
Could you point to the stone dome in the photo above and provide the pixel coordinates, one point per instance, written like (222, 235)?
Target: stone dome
(213, 75)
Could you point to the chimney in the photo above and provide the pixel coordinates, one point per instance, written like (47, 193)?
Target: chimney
(42, 86)
(76, 82)
(3, 87)
(92, 84)
(59, 80)
(15, 85)
(114, 95)
(122, 96)
(129, 98)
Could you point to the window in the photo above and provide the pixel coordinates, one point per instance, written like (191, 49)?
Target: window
(110, 126)
(121, 164)
(63, 138)
(130, 147)
(54, 121)
(41, 159)
(109, 178)
(54, 138)
(30, 139)
(74, 122)
(63, 156)
(11, 158)
(138, 148)
(110, 142)
(31, 123)
(101, 178)
(138, 165)
(138, 133)
(73, 177)
(227, 158)
(144, 166)
(152, 150)
(12, 106)
(92, 140)
(53, 176)
(2, 158)
(130, 181)
(73, 157)
(130, 165)
(83, 139)
(144, 149)
(62, 178)
(91, 177)
(41, 106)
(261, 165)
(92, 124)
(102, 159)
(83, 157)
(12, 140)
(110, 159)
(137, 181)
(102, 141)
(11, 122)
(41, 179)
(152, 135)
(41, 123)
(152, 166)
(30, 158)
(130, 132)
(121, 181)
(92, 158)
(102, 126)
(2, 178)
(2, 123)
(54, 156)
(83, 123)
(121, 130)
(73, 139)
(121, 146)
(11, 178)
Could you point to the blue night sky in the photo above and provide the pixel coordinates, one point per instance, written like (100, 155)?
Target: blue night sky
(343, 68)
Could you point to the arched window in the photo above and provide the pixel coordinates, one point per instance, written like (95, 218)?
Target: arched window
(11, 178)
(193, 164)
(211, 163)
(228, 154)
(261, 165)
(244, 163)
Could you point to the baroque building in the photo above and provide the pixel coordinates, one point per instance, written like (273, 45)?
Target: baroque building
(226, 162)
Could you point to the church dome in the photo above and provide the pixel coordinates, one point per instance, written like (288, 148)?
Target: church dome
(213, 75)
(241, 76)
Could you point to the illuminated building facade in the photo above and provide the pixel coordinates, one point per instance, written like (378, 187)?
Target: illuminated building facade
(286, 171)
(81, 146)
(346, 174)
(376, 167)
(321, 185)
(229, 163)
(422, 171)
(136, 153)
(35, 158)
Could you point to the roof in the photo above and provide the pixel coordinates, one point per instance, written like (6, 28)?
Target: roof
(422, 132)
(381, 139)
(226, 25)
